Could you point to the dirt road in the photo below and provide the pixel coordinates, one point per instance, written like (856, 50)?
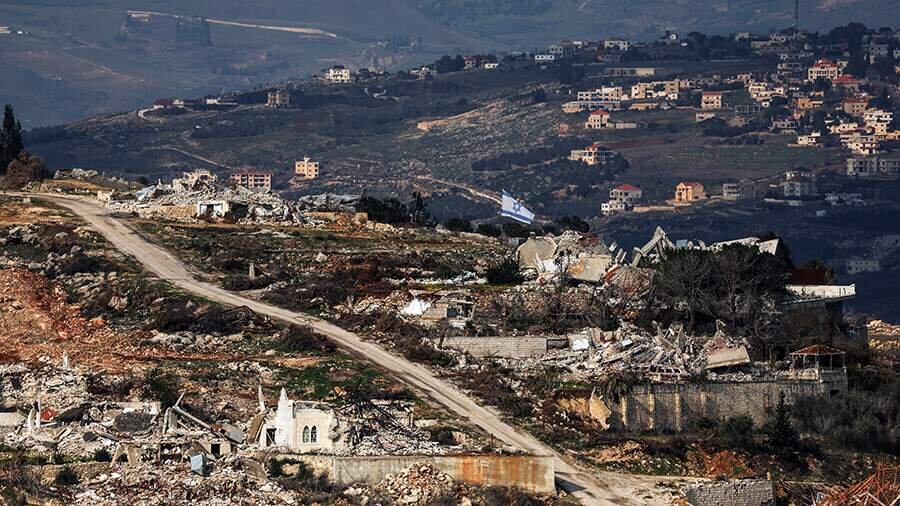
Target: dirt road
(593, 488)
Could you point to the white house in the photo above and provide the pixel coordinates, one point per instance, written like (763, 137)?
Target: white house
(300, 426)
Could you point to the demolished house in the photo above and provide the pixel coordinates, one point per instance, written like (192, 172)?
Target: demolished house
(670, 381)
(362, 427)
(456, 307)
(584, 257)
(204, 199)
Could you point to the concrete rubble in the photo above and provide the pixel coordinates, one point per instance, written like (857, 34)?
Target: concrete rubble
(173, 483)
(209, 201)
(419, 484)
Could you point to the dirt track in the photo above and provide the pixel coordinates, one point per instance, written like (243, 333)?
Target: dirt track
(590, 488)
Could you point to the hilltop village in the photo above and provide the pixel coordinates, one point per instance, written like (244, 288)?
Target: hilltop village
(278, 325)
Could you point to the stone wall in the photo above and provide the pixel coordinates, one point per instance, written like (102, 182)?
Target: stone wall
(678, 406)
(506, 346)
(528, 472)
(731, 493)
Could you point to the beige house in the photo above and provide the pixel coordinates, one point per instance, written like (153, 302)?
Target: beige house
(855, 106)
(689, 192)
(711, 100)
(255, 181)
(597, 119)
(306, 168)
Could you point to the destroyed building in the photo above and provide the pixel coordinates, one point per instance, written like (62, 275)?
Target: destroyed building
(300, 426)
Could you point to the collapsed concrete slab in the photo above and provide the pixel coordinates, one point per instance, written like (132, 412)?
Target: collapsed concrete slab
(731, 493)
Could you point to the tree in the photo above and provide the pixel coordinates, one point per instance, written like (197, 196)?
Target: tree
(883, 101)
(11, 144)
(781, 436)
(418, 215)
(684, 282)
(539, 96)
(573, 222)
(23, 170)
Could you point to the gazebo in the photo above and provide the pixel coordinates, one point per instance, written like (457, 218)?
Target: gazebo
(818, 356)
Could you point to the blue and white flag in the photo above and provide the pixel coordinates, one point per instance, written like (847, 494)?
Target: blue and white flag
(514, 209)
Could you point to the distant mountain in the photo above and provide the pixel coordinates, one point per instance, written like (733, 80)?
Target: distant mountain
(82, 57)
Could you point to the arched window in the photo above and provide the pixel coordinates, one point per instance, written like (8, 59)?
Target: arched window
(314, 435)
(306, 434)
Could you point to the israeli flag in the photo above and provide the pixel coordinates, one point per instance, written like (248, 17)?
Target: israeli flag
(514, 209)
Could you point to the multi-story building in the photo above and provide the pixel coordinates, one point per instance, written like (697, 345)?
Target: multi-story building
(629, 194)
(855, 106)
(252, 180)
(279, 99)
(338, 74)
(603, 94)
(799, 185)
(306, 168)
(873, 167)
(711, 100)
(825, 69)
(592, 155)
(688, 192)
(597, 119)
(562, 51)
(617, 44)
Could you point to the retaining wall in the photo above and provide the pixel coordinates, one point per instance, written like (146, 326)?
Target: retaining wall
(528, 472)
(678, 406)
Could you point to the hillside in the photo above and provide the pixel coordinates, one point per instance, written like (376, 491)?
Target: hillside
(73, 62)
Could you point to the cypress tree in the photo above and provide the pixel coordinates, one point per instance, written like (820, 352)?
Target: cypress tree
(11, 144)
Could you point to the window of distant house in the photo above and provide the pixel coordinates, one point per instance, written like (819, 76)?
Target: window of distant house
(270, 437)
(306, 434)
(314, 435)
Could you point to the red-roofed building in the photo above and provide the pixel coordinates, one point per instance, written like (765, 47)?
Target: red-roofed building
(846, 82)
(597, 119)
(825, 69)
(621, 198)
(163, 103)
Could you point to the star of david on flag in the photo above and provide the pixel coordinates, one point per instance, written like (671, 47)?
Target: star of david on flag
(512, 208)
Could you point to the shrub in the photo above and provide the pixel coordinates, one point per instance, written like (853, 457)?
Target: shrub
(505, 272)
(66, 477)
(737, 432)
(301, 338)
(458, 225)
(102, 455)
(489, 229)
(163, 386)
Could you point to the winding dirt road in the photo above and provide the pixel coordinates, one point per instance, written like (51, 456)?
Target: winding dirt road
(589, 488)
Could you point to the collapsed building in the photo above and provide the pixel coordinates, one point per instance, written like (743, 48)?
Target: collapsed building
(199, 199)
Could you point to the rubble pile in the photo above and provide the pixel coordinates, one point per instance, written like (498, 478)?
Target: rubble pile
(663, 356)
(385, 428)
(326, 202)
(174, 483)
(211, 200)
(419, 484)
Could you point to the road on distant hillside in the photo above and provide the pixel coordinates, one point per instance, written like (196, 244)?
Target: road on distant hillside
(289, 29)
(602, 488)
